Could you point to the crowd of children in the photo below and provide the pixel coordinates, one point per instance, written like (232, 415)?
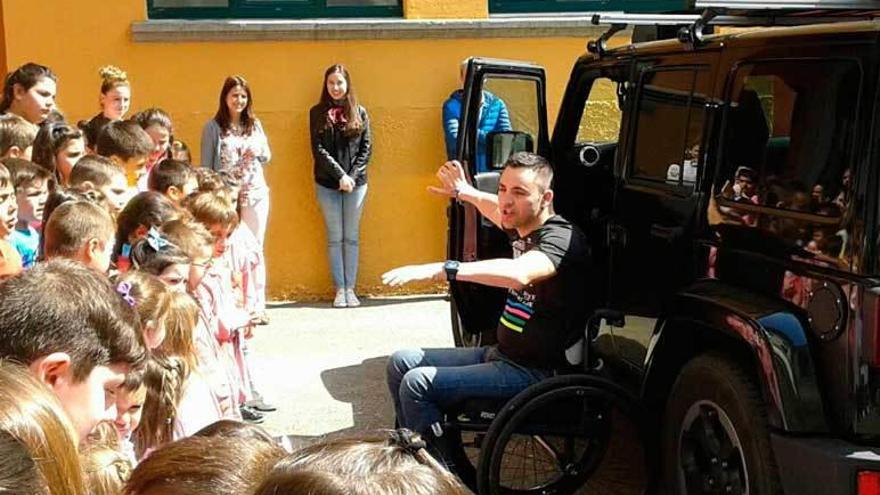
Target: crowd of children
(130, 287)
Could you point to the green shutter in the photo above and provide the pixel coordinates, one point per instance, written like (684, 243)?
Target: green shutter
(631, 6)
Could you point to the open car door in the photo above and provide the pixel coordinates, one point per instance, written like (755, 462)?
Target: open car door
(503, 110)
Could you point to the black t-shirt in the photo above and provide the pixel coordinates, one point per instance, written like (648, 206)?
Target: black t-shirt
(539, 320)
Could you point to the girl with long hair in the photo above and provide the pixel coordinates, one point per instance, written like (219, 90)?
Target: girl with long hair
(342, 147)
(29, 92)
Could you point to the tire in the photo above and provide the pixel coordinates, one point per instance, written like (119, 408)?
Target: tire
(553, 438)
(715, 435)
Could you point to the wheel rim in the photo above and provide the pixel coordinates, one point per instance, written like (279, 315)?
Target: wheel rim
(710, 458)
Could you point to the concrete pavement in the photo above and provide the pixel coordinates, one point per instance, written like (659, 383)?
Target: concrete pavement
(324, 367)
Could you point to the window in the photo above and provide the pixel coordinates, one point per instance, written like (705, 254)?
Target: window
(600, 121)
(635, 6)
(201, 9)
(670, 118)
(786, 164)
(511, 108)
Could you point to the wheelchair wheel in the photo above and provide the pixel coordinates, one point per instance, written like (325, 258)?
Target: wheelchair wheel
(569, 434)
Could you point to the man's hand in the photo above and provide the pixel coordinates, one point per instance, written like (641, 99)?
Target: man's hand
(413, 273)
(453, 180)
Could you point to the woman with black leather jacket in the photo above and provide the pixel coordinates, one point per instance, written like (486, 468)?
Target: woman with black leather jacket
(342, 146)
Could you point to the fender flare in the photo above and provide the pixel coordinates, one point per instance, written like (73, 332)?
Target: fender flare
(767, 332)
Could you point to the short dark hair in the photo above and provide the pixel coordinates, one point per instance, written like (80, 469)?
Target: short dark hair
(124, 139)
(153, 116)
(169, 173)
(532, 161)
(63, 306)
(96, 169)
(72, 224)
(148, 209)
(23, 172)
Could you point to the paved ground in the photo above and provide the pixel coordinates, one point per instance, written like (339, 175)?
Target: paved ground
(324, 367)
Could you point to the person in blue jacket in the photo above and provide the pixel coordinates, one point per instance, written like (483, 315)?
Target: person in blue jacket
(493, 117)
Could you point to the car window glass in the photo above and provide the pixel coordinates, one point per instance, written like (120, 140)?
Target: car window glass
(600, 121)
(510, 106)
(786, 160)
(669, 126)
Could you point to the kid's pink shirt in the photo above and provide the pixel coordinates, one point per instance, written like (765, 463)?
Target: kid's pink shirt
(197, 409)
(245, 257)
(216, 367)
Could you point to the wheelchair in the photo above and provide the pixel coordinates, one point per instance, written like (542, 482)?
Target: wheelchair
(571, 433)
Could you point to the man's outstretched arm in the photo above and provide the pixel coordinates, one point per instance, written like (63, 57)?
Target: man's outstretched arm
(454, 184)
(529, 268)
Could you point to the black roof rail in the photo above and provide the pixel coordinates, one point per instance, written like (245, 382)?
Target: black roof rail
(742, 13)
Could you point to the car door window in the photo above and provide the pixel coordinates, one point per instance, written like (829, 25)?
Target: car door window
(787, 154)
(509, 119)
(600, 120)
(670, 119)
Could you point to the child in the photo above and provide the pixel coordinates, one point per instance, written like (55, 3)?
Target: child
(130, 399)
(150, 298)
(216, 212)
(174, 179)
(180, 152)
(219, 466)
(128, 146)
(8, 205)
(57, 147)
(31, 184)
(75, 333)
(115, 101)
(38, 452)
(391, 463)
(213, 337)
(158, 125)
(180, 398)
(95, 172)
(157, 256)
(106, 468)
(145, 210)
(80, 231)
(16, 137)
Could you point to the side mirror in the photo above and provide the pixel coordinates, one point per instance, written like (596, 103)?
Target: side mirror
(500, 145)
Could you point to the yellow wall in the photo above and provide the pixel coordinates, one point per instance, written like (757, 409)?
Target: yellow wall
(445, 9)
(402, 83)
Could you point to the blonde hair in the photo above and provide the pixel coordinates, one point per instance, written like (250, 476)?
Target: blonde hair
(112, 77)
(152, 298)
(31, 415)
(190, 236)
(183, 314)
(106, 467)
(212, 208)
(164, 379)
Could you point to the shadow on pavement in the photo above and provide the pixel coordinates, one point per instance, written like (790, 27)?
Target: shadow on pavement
(366, 302)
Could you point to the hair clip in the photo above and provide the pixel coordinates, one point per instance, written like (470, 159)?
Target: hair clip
(124, 290)
(408, 440)
(155, 239)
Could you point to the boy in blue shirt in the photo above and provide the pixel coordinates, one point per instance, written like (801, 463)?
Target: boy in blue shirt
(31, 183)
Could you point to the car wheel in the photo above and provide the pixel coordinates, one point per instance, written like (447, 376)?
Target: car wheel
(715, 435)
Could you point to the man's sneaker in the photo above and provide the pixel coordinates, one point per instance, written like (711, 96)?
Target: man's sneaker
(260, 405)
(339, 301)
(250, 415)
(350, 299)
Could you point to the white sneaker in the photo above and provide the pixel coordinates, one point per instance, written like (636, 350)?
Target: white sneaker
(340, 300)
(351, 299)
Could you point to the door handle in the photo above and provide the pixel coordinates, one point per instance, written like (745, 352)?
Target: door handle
(666, 233)
(616, 234)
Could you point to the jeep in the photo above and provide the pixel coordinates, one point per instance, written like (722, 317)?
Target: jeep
(730, 187)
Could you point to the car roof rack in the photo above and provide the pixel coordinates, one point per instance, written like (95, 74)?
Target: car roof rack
(741, 13)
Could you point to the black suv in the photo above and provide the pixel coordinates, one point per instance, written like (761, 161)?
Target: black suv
(730, 187)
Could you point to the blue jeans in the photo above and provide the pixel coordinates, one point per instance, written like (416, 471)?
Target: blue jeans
(342, 216)
(423, 382)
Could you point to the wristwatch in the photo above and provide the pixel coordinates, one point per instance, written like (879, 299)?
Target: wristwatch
(451, 269)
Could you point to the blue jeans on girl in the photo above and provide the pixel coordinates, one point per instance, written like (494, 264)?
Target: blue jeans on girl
(342, 216)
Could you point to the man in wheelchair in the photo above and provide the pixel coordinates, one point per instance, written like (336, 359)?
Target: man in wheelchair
(547, 282)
